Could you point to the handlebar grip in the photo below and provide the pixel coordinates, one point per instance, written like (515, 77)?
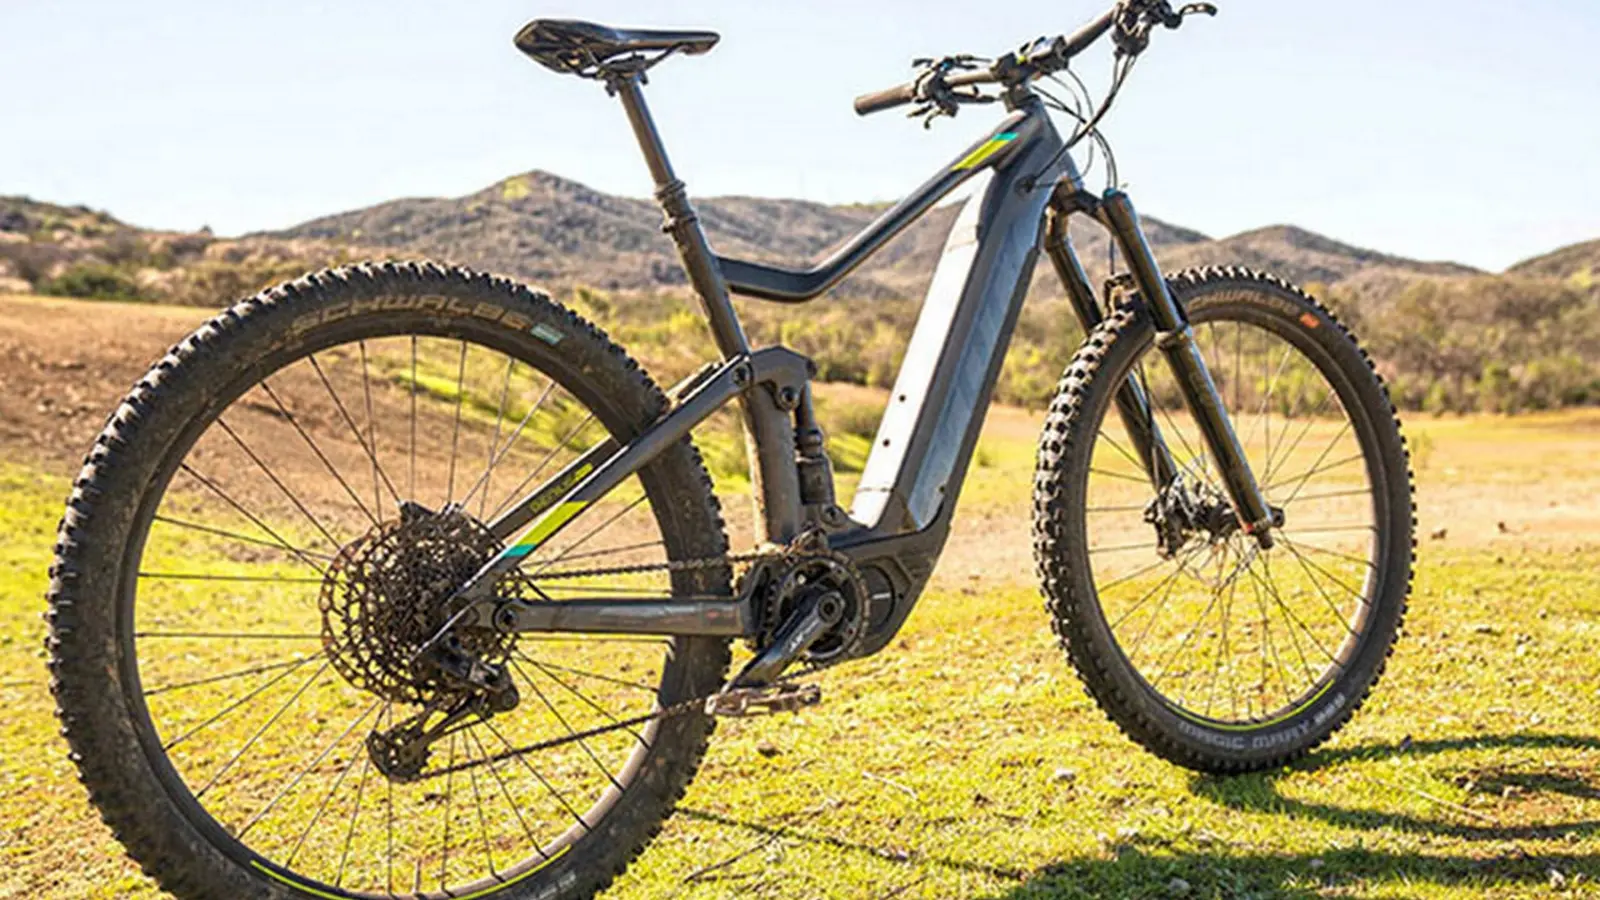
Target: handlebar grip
(900, 95)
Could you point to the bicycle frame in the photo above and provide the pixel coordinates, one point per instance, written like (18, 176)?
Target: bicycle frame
(1026, 188)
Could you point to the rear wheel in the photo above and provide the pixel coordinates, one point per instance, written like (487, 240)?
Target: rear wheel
(267, 530)
(1209, 651)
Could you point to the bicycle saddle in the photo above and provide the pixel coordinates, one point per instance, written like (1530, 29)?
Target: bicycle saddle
(567, 45)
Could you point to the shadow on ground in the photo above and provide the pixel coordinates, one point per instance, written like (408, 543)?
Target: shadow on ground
(1149, 868)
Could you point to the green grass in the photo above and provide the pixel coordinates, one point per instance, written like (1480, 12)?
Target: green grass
(965, 761)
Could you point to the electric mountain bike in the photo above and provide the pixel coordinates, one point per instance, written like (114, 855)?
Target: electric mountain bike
(399, 579)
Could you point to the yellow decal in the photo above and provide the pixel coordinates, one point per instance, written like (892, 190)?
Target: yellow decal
(547, 526)
(987, 149)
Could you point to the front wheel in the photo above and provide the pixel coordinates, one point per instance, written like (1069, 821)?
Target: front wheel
(1203, 647)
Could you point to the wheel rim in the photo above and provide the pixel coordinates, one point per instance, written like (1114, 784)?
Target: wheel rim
(1228, 635)
(252, 718)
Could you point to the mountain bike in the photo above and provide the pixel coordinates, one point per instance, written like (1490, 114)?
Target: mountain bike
(399, 579)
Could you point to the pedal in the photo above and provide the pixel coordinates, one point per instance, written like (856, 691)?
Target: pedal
(763, 701)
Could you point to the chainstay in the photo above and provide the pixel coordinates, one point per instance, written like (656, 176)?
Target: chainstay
(666, 712)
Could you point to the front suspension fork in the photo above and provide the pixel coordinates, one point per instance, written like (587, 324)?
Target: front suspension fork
(1175, 339)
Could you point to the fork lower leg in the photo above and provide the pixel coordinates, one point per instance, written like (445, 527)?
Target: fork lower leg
(1175, 339)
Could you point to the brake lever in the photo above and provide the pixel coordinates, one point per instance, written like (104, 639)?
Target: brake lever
(1191, 9)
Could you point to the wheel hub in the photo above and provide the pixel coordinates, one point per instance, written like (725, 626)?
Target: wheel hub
(390, 591)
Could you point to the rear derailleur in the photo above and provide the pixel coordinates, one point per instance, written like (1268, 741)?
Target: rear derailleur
(479, 690)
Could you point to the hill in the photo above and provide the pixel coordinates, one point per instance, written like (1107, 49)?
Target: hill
(1578, 261)
(548, 229)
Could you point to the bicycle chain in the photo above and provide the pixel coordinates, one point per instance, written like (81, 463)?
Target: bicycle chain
(789, 682)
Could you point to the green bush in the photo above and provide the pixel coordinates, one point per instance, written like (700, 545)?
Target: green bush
(93, 281)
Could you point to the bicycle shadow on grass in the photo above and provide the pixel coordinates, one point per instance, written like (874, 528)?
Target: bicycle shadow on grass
(1146, 869)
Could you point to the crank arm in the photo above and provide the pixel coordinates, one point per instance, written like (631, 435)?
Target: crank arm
(792, 640)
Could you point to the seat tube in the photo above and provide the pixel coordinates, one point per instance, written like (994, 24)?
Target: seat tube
(1175, 338)
(779, 509)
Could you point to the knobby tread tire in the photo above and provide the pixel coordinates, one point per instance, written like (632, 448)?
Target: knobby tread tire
(1076, 618)
(87, 653)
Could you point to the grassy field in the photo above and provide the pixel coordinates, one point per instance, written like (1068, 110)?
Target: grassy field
(966, 761)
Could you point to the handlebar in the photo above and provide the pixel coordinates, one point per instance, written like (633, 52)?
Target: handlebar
(1127, 16)
(901, 94)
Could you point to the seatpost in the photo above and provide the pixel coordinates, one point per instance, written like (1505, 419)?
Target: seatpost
(769, 428)
(681, 222)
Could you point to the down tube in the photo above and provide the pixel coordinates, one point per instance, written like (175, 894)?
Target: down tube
(930, 428)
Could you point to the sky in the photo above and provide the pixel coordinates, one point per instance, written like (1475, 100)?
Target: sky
(1461, 130)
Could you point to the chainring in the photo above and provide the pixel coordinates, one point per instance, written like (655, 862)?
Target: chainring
(801, 575)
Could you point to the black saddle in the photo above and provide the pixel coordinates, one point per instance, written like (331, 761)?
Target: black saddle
(584, 48)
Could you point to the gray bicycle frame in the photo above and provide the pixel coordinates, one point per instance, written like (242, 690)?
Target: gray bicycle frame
(1025, 187)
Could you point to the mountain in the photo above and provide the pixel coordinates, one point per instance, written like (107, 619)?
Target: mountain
(550, 230)
(1578, 261)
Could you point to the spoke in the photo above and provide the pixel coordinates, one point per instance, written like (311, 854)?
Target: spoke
(1295, 549)
(483, 824)
(317, 451)
(585, 698)
(322, 807)
(516, 810)
(1133, 507)
(295, 781)
(570, 732)
(372, 428)
(239, 754)
(1166, 595)
(204, 576)
(301, 553)
(523, 758)
(348, 420)
(1324, 455)
(254, 520)
(1268, 647)
(1301, 478)
(1277, 599)
(1353, 492)
(1263, 414)
(1194, 628)
(1331, 529)
(1137, 463)
(212, 679)
(1324, 550)
(1343, 620)
(1140, 480)
(1121, 548)
(1150, 426)
(444, 846)
(494, 440)
(592, 675)
(1283, 456)
(254, 692)
(273, 477)
(494, 457)
(455, 443)
(355, 814)
(597, 529)
(516, 492)
(1182, 563)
